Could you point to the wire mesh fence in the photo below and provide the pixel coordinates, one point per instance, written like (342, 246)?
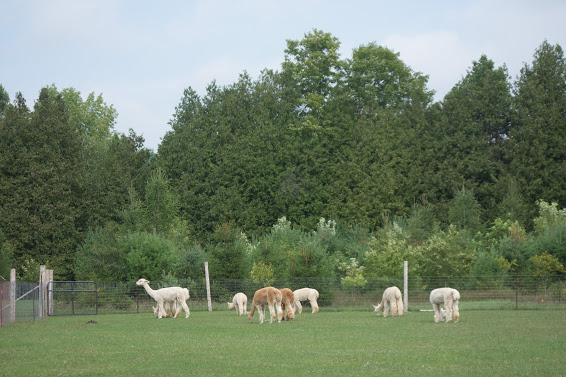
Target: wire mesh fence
(26, 297)
(477, 293)
(510, 292)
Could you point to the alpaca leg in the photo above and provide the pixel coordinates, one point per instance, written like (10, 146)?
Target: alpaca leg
(261, 310)
(400, 307)
(161, 309)
(386, 308)
(448, 306)
(299, 306)
(314, 305)
(393, 308)
(279, 309)
(271, 312)
(437, 314)
(185, 308)
(456, 310)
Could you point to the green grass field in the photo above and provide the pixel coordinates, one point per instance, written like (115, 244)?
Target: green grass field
(483, 343)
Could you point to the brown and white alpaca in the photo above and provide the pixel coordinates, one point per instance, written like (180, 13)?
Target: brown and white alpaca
(450, 298)
(391, 300)
(305, 294)
(167, 294)
(266, 296)
(287, 300)
(239, 301)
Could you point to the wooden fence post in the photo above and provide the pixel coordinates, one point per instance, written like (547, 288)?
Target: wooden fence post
(50, 294)
(12, 296)
(405, 286)
(42, 303)
(207, 287)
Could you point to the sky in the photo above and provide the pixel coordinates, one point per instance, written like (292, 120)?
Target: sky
(141, 55)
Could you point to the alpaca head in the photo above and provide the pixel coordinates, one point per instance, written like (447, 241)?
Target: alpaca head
(378, 309)
(230, 305)
(142, 281)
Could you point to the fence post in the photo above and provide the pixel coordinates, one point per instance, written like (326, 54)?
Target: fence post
(12, 296)
(50, 293)
(207, 287)
(405, 286)
(41, 292)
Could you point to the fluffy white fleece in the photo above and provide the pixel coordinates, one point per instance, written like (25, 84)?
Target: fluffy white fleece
(392, 300)
(305, 294)
(240, 302)
(450, 298)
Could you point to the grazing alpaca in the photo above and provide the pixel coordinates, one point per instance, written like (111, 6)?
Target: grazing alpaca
(391, 300)
(240, 301)
(167, 294)
(266, 296)
(177, 305)
(450, 298)
(287, 300)
(305, 294)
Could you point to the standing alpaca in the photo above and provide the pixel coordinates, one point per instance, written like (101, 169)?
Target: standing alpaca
(167, 294)
(305, 294)
(175, 304)
(266, 296)
(240, 301)
(288, 298)
(450, 298)
(391, 300)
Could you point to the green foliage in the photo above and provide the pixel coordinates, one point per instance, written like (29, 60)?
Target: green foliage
(553, 240)
(465, 211)
(446, 253)
(546, 264)
(4, 100)
(190, 264)
(40, 185)
(549, 216)
(536, 153)
(100, 258)
(262, 274)
(227, 253)
(148, 255)
(354, 279)
(6, 256)
(388, 251)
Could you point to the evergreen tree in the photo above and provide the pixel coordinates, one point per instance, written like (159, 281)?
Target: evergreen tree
(537, 148)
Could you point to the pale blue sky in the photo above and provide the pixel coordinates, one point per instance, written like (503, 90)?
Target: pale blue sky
(141, 55)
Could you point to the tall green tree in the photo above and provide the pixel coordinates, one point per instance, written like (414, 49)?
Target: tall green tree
(40, 191)
(537, 148)
(471, 132)
(4, 100)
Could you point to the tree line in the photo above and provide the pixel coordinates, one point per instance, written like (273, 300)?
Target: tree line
(329, 167)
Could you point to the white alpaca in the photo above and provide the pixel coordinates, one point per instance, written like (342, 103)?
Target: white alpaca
(450, 298)
(266, 296)
(391, 300)
(167, 294)
(176, 306)
(305, 294)
(240, 302)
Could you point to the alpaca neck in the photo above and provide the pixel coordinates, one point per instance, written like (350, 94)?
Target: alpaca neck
(149, 291)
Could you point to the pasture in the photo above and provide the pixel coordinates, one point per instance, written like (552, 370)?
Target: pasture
(345, 343)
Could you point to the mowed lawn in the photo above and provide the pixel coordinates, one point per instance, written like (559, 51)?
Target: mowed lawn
(483, 343)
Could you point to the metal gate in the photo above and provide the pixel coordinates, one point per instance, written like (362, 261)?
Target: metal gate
(72, 298)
